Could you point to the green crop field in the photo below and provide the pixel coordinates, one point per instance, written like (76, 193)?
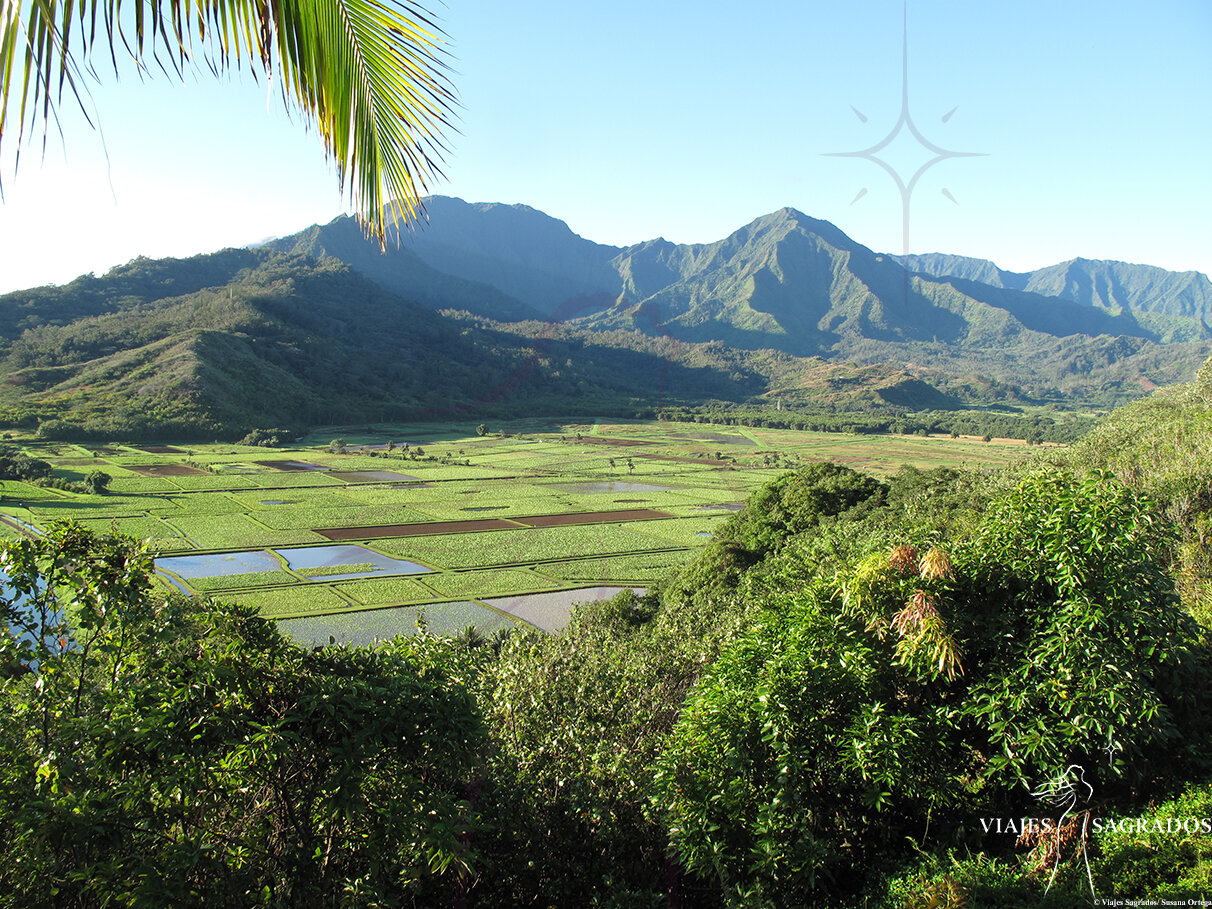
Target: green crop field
(519, 547)
(385, 591)
(226, 498)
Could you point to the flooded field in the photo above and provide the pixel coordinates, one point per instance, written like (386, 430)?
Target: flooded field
(307, 561)
(220, 564)
(550, 612)
(322, 560)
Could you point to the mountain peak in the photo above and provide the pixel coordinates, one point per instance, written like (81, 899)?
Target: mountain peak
(450, 213)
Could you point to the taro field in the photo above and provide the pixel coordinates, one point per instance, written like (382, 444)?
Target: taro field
(436, 526)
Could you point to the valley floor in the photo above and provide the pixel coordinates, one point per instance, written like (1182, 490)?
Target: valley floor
(439, 525)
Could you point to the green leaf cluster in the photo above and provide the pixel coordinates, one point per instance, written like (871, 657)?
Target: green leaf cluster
(905, 693)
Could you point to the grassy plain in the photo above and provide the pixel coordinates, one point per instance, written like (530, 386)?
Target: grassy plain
(234, 498)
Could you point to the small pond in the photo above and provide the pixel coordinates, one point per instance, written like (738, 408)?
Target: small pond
(307, 559)
(223, 563)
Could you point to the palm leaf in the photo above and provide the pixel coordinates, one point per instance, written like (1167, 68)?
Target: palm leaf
(369, 74)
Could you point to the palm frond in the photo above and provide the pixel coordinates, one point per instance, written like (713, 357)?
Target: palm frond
(371, 75)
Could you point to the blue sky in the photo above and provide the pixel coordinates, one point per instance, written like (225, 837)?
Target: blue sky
(631, 120)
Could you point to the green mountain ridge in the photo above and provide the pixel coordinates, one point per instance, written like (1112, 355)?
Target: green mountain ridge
(401, 271)
(1100, 283)
(785, 281)
(514, 249)
(320, 328)
(801, 285)
(296, 341)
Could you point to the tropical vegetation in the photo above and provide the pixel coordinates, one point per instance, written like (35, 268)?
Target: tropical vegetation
(861, 691)
(369, 75)
(831, 705)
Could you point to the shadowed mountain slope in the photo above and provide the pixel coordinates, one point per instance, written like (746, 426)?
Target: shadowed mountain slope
(291, 341)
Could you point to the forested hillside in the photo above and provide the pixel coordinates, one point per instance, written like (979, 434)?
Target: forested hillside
(1091, 282)
(218, 345)
(152, 351)
(833, 705)
(493, 310)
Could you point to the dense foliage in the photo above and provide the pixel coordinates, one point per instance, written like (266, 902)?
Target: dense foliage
(17, 465)
(1161, 445)
(172, 753)
(823, 708)
(916, 689)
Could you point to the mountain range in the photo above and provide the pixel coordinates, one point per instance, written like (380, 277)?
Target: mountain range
(320, 326)
(1115, 286)
(799, 285)
(785, 280)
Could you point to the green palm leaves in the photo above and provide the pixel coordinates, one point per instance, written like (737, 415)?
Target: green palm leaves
(370, 74)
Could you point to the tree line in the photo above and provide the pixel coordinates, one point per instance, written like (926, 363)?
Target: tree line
(1034, 429)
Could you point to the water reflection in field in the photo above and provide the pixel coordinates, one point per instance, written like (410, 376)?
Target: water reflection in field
(319, 562)
(307, 559)
(547, 611)
(550, 612)
(219, 564)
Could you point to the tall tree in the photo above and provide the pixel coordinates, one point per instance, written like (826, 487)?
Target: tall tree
(369, 74)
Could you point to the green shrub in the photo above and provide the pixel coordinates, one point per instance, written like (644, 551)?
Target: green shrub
(905, 694)
(171, 752)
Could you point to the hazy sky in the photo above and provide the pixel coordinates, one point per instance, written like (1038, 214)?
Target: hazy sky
(634, 119)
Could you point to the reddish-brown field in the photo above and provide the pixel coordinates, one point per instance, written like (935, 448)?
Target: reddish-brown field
(413, 530)
(374, 532)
